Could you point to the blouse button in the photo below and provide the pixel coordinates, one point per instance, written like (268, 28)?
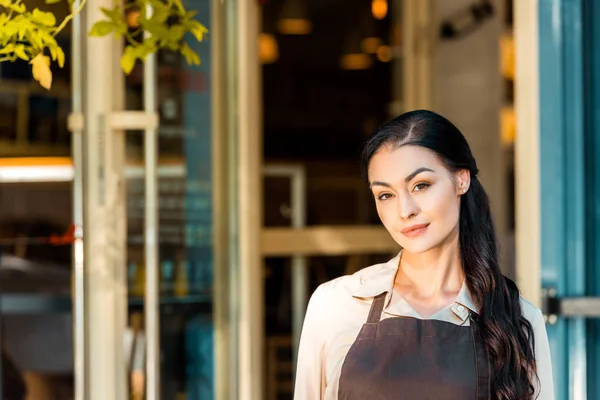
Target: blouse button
(461, 309)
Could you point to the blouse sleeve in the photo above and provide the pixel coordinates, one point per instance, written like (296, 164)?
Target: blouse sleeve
(310, 382)
(545, 385)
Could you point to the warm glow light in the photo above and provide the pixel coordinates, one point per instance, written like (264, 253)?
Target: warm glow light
(508, 125)
(15, 174)
(60, 169)
(507, 56)
(384, 54)
(133, 19)
(268, 49)
(34, 169)
(379, 8)
(295, 26)
(370, 45)
(356, 61)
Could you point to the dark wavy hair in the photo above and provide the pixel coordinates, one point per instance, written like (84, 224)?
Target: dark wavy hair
(507, 335)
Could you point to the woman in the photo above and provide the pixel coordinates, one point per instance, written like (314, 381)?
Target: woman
(439, 321)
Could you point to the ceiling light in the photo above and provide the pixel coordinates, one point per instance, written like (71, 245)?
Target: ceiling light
(379, 8)
(370, 45)
(294, 19)
(268, 48)
(384, 54)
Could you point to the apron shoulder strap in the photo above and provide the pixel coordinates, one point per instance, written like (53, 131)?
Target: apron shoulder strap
(484, 374)
(376, 308)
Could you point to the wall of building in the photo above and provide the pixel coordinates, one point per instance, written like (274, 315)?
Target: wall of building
(467, 89)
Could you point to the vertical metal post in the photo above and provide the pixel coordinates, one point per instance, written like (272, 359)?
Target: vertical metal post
(151, 235)
(299, 262)
(297, 177)
(78, 261)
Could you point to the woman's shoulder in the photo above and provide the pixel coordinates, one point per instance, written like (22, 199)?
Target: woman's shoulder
(351, 285)
(531, 312)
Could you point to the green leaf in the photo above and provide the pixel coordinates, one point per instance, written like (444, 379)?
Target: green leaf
(43, 18)
(197, 29)
(128, 59)
(190, 55)
(20, 52)
(53, 1)
(176, 32)
(102, 28)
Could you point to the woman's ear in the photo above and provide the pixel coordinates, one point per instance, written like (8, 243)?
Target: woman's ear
(463, 181)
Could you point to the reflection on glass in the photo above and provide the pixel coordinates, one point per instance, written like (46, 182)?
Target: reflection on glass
(185, 222)
(36, 338)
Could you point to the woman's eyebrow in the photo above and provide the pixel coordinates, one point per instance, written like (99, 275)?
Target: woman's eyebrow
(378, 183)
(417, 172)
(407, 179)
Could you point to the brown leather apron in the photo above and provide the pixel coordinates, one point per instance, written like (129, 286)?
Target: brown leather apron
(411, 358)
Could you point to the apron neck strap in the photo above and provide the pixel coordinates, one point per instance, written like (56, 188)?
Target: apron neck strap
(376, 308)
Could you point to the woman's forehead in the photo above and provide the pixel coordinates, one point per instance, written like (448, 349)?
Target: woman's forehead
(391, 161)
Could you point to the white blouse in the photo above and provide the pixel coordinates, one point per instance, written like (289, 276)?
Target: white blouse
(338, 309)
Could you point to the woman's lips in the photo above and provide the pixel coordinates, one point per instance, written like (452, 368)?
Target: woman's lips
(414, 230)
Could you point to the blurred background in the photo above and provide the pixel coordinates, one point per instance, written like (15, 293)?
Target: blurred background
(198, 256)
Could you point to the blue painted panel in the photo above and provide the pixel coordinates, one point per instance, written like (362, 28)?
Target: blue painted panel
(564, 181)
(574, 133)
(592, 78)
(553, 161)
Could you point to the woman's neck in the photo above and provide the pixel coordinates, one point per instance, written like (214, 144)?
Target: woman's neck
(433, 273)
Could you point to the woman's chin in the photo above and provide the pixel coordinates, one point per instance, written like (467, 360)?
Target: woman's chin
(416, 246)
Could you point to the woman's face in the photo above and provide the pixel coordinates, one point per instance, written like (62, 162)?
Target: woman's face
(418, 199)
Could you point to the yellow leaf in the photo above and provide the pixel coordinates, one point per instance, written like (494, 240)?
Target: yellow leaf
(190, 55)
(160, 13)
(47, 38)
(57, 54)
(23, 31)
(20, 52)
(60, 55)
(198, 30)
(40, 67)
(128, 60)
(176, 32)
(44, 18)
(18, 8)
(9, 48)
(102, 28)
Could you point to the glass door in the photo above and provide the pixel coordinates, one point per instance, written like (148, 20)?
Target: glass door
(150, 259)
(569, 89)
(184, 264)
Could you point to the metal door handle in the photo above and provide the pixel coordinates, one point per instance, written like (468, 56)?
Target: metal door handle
(554, 306)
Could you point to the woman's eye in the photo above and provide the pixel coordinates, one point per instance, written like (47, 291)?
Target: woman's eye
(384, 196)
(420, 186)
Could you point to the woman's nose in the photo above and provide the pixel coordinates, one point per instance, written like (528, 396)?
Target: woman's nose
(407, 207)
